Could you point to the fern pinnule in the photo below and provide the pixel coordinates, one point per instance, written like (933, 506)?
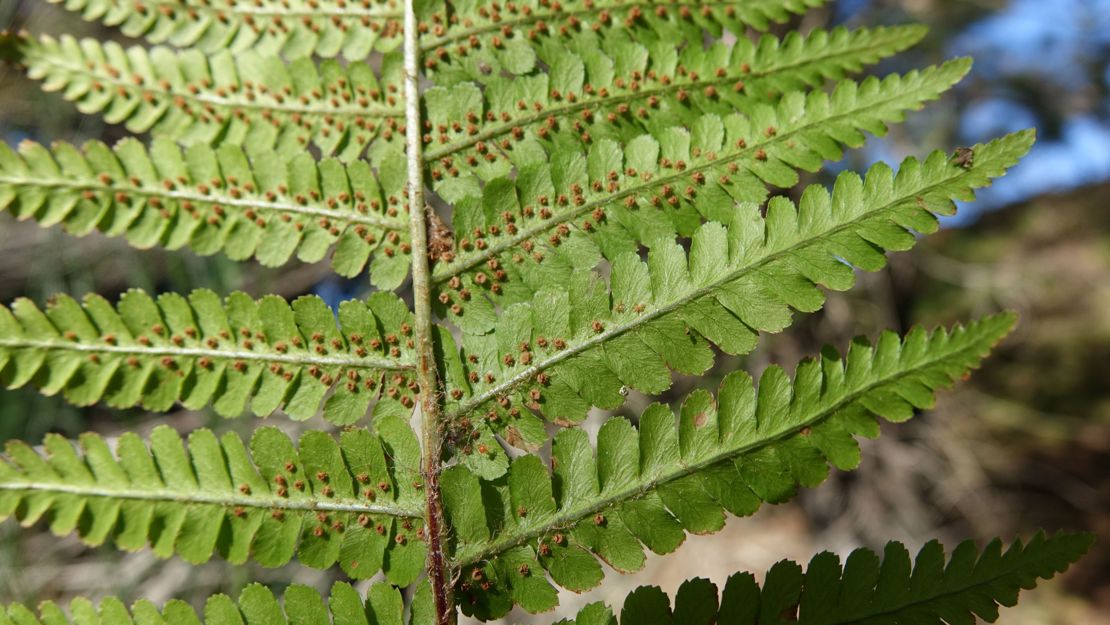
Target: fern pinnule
(251, 99)
(214, 200)
(236, 355)
(354, 502)
(295, 28)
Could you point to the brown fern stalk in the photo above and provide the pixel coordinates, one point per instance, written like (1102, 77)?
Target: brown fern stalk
(426, 373)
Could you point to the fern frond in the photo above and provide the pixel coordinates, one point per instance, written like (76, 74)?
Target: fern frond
(215, 201)
(199, 350)
(355, 501)
(864, 589)
(295, 28)
(252, 99)
(484, 132)
(563, 211)
(653, 483)
(576, 345)
(257, 605)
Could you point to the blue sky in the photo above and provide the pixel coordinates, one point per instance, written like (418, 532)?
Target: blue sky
(1053, 50)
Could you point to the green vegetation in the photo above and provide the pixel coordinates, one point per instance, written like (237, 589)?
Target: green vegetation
(609, 187)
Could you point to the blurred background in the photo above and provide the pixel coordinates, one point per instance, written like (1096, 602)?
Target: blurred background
(1024, 445)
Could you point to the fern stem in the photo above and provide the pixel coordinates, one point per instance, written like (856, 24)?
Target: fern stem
(426, 371)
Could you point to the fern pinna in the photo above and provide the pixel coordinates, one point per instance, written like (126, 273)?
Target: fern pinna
(609, 190)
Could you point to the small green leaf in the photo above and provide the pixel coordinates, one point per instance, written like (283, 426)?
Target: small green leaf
(241, 353)
(326, 501)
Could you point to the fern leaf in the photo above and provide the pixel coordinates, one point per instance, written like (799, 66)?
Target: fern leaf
(479, 132)
(294, 28)
(564, 351)
(257, 605)
(863, 589)
(214, 201)
(653, 483)
(241, 353)
(567, 209)
(252, 99)
(355, 501)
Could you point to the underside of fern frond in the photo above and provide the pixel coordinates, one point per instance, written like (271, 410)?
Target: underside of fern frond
(864, 589)
(356, 501)
(571, 347)
(650, 484)
(263, 355)
(608, 166)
